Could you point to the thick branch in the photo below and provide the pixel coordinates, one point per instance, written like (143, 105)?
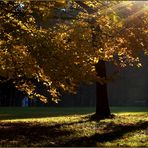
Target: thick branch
(86, 7)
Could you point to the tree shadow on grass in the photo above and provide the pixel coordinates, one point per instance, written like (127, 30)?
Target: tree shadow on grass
(60, 134)
(19, 134)
(35, 134)
(115, 131)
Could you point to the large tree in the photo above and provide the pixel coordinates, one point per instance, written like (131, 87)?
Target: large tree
(64, 43)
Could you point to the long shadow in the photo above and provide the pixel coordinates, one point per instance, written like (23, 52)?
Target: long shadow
(31, 135)
(117, 131)
(34, 134)
(26, 133)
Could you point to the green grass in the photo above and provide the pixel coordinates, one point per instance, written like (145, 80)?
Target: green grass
(72, 127)
(38, 112)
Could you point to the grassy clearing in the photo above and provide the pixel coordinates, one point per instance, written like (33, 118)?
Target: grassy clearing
(38, 112)
(72, 127)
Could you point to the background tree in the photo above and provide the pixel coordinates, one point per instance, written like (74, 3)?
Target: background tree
(64, 53)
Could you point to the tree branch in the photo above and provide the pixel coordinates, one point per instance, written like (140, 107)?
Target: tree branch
(86, 7)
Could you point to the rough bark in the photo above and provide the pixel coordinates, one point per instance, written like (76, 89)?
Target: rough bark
(102, 104)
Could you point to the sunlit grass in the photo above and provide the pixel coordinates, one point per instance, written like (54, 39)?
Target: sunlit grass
(73, 127)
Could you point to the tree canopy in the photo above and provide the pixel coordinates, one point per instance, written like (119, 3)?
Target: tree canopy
(53, 41)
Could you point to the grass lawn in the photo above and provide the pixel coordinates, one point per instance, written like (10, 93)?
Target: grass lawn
(72, 127)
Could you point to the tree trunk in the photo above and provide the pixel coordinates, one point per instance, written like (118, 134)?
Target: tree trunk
(102, 104)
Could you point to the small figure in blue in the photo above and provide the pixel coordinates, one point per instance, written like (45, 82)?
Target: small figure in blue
(25, 102)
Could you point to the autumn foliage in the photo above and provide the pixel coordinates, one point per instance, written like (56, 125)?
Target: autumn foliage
(59, 51)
